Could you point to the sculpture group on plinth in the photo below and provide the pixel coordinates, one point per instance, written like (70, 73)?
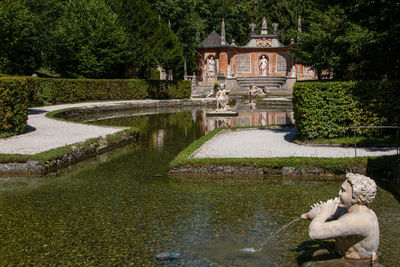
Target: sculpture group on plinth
(349, 221)
(222, 98)
(255, 91)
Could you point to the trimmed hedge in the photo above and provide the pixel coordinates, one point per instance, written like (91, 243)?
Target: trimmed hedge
(328, 109)
(154, 74)
(13, 106)
(59, 91)
(19, 93)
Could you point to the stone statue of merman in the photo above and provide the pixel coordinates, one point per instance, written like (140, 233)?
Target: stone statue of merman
(348, 219)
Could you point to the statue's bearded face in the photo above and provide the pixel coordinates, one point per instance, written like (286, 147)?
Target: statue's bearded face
(346, 194)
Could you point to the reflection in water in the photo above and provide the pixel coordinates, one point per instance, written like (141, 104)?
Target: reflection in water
(253, 104)
(245, 118)
(157, 139)
(250, 113)
(248, 118)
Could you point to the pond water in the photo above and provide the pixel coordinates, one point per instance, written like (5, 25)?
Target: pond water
(121, 208)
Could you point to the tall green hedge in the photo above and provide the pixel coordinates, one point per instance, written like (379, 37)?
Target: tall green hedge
(17, 93)
(13, 106)
(59, 91)
(328, 109)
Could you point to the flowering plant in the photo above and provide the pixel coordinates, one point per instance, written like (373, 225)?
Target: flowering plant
(216, 86)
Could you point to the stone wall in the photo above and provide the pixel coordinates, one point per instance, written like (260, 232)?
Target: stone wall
(72, 154)
(209, 170)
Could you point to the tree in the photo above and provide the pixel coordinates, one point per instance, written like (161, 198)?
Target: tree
(168, 51)
(151, 42)
(46, 13)
(184, 23)
(359, 39)
(331, 41)
(88, 41)
(20, 39)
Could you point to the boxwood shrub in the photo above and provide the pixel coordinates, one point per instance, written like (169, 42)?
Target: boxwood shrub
(13, 106)
(328, 109)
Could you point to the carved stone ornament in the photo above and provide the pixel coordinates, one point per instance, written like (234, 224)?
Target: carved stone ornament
(243, 63)
(264, 25)
(253, 26)
(264, 42)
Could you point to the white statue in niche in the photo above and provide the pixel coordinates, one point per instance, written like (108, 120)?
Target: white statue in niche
(211, 65)
(348, 219)
(263, 66)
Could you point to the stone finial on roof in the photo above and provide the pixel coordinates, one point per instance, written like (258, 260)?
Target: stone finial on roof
(253, 31)
(223, 41)
(299, 28)
(264, 26)
(275, 26)
(299, 24)
(197, 35)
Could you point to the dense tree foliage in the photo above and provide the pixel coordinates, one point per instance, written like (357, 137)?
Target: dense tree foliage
(19, 38)
(85, 38)
(123, 38)
(357, 39)
(88, 41)
(151, 41)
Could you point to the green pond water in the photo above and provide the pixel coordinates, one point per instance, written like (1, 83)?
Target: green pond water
(121, 208)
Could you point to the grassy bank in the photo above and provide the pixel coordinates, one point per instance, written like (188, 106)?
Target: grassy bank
(373, 166)
(53, 159)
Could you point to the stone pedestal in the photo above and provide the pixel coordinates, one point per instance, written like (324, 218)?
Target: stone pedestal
(290, 81)
(324, 258)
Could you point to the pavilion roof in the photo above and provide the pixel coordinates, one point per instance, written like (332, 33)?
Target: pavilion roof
(213, 40)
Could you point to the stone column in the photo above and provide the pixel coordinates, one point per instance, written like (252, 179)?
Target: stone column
(184, 70)
(223, 41)
(194, 79)
(216, 71)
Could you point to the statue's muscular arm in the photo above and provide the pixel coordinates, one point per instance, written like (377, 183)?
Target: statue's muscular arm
(346, 225)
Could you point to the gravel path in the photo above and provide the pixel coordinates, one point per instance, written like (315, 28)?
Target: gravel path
(44, 133)
(271, 143)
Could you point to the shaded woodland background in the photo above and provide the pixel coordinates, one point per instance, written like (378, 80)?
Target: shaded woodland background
(127, 38)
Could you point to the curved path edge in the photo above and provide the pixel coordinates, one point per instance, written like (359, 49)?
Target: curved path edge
(45, 134)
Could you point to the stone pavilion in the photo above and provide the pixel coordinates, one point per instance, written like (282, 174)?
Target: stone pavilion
(264, 61)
